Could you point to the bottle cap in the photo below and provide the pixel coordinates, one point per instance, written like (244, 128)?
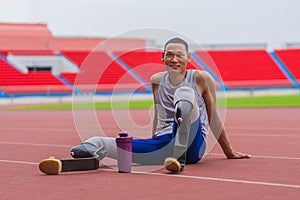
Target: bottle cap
(124, 137)
(123, 134)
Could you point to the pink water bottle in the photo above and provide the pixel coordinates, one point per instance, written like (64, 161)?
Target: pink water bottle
(124, 152)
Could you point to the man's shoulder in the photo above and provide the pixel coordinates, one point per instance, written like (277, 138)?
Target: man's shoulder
(205, 80)
(202, 75)
(155, 78)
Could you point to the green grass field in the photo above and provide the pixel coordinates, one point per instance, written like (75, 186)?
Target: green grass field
(233, 102)
(264, 101)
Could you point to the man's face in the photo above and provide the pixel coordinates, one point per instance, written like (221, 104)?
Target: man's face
(176, 58)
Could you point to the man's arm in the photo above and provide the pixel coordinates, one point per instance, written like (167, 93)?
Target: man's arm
(155, 80)
(206, 87)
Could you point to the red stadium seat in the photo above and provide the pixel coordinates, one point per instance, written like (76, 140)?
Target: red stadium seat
(100, 72)
(146, 63)
(245, 68)
(13, 81)
(290, 58)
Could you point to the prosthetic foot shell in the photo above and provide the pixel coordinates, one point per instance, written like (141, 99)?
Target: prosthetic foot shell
(50, 166)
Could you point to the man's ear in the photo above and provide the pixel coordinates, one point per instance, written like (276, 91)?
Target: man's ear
(189, 57)
(162, 57)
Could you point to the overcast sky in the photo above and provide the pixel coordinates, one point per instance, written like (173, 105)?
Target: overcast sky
(204, 21)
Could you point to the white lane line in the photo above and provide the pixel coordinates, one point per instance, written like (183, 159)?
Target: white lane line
(263, 135)
(261, 156)
(34, 144)
(224, 180)
(37, 129)
(216, 179)
(232, 128)
(187, 176)
(264, 128)
(18, 162)
(210, 154)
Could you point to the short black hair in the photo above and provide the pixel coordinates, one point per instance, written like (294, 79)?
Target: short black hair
(177, 40)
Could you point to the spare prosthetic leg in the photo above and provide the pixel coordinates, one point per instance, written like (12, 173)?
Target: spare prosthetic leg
(185, 113)
(53, 166)
(86, 155)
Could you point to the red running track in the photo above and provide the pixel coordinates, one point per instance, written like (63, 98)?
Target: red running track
(271, 136)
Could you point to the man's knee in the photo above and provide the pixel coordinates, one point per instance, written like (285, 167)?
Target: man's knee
(185, 102)
(184, 93)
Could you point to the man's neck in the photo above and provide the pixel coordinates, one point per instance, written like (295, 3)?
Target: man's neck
(176, 78)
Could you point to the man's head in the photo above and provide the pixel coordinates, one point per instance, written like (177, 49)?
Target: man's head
(179, 41)
(176, 55)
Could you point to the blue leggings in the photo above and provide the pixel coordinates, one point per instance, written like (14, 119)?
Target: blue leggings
(157, 149)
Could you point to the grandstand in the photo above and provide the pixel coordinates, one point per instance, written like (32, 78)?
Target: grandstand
(34, 62)
(14, 81)
(99, 72)
(244, 68)
(145, 63)
(290, 59)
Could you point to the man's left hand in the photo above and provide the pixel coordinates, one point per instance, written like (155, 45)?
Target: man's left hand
(238, 155)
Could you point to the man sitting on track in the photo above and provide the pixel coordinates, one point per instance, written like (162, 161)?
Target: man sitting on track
(176, 84)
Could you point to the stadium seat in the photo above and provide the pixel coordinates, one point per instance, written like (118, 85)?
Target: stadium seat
(245, 68)
(99, 72)
(290, 58)
(146, 63)
(13, 81)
